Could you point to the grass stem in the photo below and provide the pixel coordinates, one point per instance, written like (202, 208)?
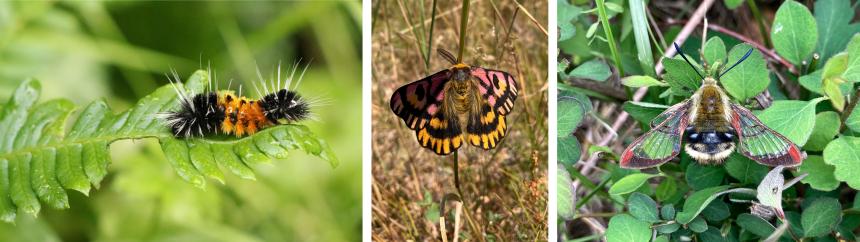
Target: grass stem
(761, 28)
(464, 20)
(610, 39)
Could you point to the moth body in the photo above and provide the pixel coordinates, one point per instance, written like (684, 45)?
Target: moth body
(709, 136)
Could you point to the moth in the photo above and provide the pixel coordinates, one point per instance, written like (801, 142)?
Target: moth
(461, 104)
(712, 128)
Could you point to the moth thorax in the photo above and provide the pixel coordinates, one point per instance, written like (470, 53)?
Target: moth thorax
(709, 81)
(461, 99)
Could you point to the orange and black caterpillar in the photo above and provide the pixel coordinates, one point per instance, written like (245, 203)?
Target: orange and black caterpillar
(222, 112)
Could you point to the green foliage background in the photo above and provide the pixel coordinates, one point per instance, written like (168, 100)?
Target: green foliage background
(801, 81)
(119, 51)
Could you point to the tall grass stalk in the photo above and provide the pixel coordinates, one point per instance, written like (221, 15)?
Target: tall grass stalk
(430, 35)
(610, 39)
(464, 20)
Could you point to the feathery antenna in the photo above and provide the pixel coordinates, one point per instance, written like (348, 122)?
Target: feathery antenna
(447, 55)
(678, 49)
(739, 61)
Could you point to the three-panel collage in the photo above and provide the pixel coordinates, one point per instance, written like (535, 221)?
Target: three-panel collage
(426, 120)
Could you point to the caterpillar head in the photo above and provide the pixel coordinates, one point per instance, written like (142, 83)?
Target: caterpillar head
(285, 105)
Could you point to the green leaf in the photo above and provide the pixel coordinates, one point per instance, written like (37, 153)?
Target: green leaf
(569, 150)
(593, 70)
(744, 169)
(794, 32)
(714, 50)
(682, 79)
(835, 66)
(716, 211)
(640, 32)
(629, 183)
(667, 212)
(39, 159)
(826, 127)
(643, 112)
(624, 227)
(698, 225)
(755, 225)
(697, 202)
(852, 72)
(793, 119)
(571, 112)
(703, 176)
(666, 189)
(820, 174)
(821, 217)
(567, 13)
(566, 196)
(642, 207)
(814, 83)
(668, 228)
(747, 79)
(853, 120)
(732, 4)
(712, 235)
(834, 32)
(831, 90)
(843, 153)
(642, 81)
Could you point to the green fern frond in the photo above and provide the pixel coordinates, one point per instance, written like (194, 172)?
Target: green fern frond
(39, 159)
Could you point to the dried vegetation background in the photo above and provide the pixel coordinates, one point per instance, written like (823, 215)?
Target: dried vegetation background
(506, 188)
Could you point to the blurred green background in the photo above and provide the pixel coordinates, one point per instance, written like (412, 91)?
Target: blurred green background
(120, 51)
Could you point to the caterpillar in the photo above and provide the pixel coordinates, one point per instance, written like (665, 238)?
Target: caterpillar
(223, 112)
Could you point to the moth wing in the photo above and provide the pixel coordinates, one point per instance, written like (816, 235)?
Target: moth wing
(441, 134)
(486, 128)
(762, 144)
(499, 88)
(417, 102)
(669, 112)
(660, 144)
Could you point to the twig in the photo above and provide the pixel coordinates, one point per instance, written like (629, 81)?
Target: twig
(542, 29)
(605, 88)
(767, 52)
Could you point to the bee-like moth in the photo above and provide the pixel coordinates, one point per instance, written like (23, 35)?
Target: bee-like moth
(711, 128)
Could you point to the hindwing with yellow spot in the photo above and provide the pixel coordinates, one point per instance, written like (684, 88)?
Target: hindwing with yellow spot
(441, 135)
(486, 128)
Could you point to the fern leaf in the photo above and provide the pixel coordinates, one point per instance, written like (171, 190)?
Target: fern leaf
(39, 160)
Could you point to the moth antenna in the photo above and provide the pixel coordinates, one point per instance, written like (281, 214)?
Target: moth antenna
(447, 55)
(302, 76)
(739, 61)
(678, 49)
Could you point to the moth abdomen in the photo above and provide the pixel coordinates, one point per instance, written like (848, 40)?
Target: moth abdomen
(709, 146)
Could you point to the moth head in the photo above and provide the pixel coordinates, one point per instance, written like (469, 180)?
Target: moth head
(714, 71)
(460, 72)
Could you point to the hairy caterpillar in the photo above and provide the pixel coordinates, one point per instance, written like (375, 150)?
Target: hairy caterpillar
(223, 112)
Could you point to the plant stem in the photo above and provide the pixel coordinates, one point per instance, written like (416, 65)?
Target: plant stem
(760, 21)
(607, 30)
(464, 20)
(430, 35)
(457, 174)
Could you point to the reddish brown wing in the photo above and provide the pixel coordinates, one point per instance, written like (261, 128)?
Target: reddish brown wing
(417, 102)
(660, 144)
(762, 144)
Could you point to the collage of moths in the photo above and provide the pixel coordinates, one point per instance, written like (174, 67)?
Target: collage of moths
(430, 120)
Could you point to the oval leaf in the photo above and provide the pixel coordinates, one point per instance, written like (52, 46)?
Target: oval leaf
(747, 79)
(624, 227)
(794, 32)
(642, 207)
(629, 183)
(843, 153)
(697, 202)
(793, 119)
(821, 217)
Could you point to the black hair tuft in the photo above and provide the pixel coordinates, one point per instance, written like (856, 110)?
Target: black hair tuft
(284, 104)
(199, 116)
